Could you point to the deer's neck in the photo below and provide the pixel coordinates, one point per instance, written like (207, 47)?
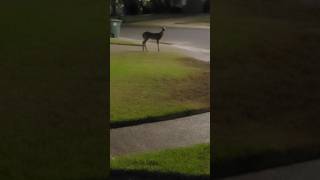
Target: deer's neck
(161, 33)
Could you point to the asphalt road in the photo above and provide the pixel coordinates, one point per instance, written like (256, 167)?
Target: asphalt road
(302, 171)
(179, 132)
(198, 38)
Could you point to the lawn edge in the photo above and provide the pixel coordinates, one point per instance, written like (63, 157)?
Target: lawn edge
(152, 119)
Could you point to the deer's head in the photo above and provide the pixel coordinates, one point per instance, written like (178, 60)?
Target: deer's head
(163, 28)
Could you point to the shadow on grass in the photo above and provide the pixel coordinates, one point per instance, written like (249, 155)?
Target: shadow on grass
(145, 175)
(152, 119)
(258, 162)
(93, 178)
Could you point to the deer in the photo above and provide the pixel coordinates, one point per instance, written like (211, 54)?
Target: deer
(155, 36)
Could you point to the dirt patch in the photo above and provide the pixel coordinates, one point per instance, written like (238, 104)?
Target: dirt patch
(195, 87)
(192, 62)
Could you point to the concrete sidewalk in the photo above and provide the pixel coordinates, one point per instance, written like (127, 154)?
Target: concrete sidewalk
(302, 171)
(174, 133)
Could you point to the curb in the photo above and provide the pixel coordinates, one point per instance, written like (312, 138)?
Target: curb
(148, 120)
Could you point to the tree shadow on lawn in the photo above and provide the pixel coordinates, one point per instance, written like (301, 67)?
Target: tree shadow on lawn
(146, 175)
(260, 161)
(152, 119)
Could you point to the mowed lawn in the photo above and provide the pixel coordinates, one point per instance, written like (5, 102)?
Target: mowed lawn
(152, 85)
(118, 41)
(194, 160)
(266, 94)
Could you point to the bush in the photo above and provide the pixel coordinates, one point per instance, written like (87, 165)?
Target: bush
(132, 7)
(206, 6)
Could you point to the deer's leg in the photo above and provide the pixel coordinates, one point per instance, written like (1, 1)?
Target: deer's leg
(145, 44)
(158, 45)
(142, 46)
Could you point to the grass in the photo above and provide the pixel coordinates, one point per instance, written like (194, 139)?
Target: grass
(117, 41)
(150, 85)
(266, 85)
(192, 161)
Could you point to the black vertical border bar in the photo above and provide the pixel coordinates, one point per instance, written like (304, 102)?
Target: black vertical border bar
(211, 89)
(44, 46)
(108, 89)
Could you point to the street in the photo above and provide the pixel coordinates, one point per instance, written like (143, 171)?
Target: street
(197, 38)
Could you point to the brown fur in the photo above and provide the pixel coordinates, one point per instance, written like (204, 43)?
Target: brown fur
(149, 35)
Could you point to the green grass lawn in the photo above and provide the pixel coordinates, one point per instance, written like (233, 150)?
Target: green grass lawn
(150, 85)
(117, 41)
(194, 160)
(266, 83)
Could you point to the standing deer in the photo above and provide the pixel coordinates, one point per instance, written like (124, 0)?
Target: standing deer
(155, 36)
